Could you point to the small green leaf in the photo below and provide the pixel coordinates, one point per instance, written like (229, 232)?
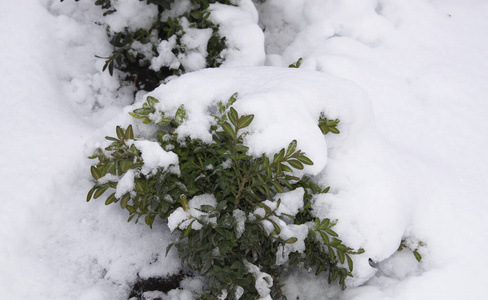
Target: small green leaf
(228, 129)
(125, 199)
(221, 205)
(331, 254)
(120, 132)
(297, 64)
(152, 101)
(233, 116)
(417, 255)
(325, 223)
(134, 115)
(125, 165)
(305, 160)
(129, 133)
(325, 238)
(90, 193)
(285, 168)
(169, 248)
(349, 262)
(165, 121)
(296, 164)
(278, 187)
(110, 199)
(320, 269)
(206, 208)
(95, 173)
(187, 230)
(144, 111)
(245, 121)
(291, 148)
(291, 240)
(331, 232)
(100, 191)
(278, 157)
(221, 107)
(131, 217)
(149, 219)
(180, 115)
(110, 167)
(232, 99)
(360, 251)
(111, 68)
(111, 139)
(334, 130)
(276, 227)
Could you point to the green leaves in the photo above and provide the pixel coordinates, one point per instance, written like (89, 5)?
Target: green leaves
(149, 114)
(327, 126)
(236, 122)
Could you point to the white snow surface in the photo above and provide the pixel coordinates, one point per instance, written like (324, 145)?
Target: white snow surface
(407, 79)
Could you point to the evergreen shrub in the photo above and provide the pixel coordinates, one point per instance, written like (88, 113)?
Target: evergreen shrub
(242, 220)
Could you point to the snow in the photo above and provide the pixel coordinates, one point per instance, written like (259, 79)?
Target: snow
(182, 218)
(195, 40)
(291, 202)
(407, 79)
(263, 280)
(155, 157)
(244, 38)
(125, 10)
(240, 218)
(166, 57)
(287, 232)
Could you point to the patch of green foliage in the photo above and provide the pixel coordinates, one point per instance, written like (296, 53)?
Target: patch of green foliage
(238, 240)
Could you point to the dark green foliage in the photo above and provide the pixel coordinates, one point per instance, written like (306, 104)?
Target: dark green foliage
(232, 244)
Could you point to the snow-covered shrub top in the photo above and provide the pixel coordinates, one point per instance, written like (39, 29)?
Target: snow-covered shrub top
(290, 102)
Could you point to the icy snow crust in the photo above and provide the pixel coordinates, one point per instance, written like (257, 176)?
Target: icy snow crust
(410, 160)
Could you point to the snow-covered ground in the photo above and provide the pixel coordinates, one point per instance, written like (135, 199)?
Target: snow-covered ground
(408, 79)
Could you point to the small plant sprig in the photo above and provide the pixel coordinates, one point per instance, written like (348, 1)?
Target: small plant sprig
(121, 159)
(415, 250)
(327, 125)
(234, 228)
(296, 64)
